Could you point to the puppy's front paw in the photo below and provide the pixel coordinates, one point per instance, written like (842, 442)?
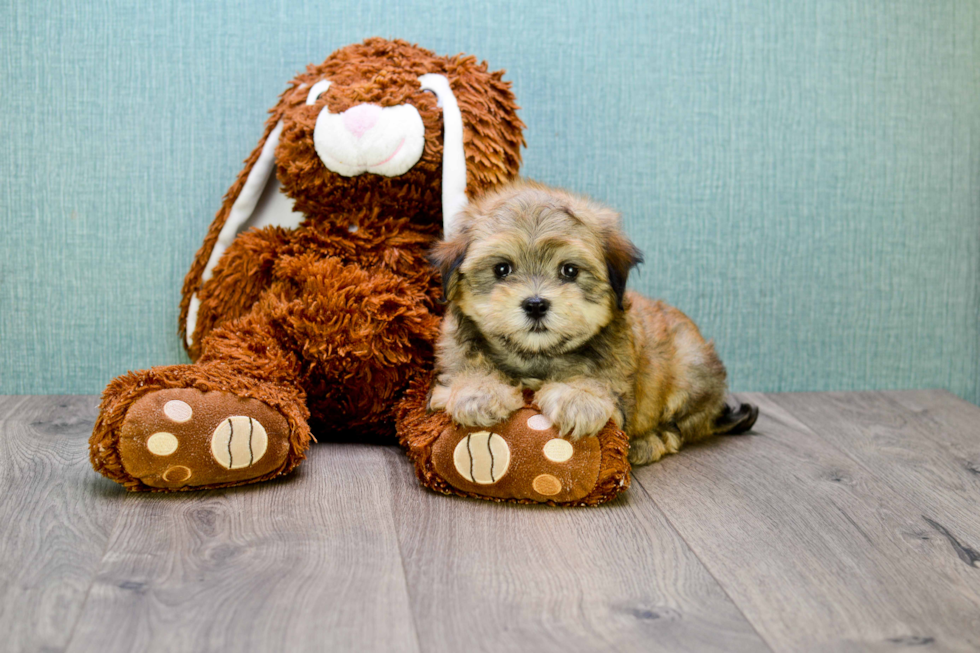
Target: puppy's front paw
(481, 401)
(578, 411)
(438, 398)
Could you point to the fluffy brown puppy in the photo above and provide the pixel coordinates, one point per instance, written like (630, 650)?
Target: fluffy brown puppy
(536, 282)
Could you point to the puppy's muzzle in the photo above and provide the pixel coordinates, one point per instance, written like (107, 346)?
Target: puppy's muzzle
(535, 307)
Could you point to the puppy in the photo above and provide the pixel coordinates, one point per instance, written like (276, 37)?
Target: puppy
(535, 279)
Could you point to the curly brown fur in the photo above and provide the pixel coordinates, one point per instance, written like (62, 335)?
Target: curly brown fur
(536, 281)
(343, 318)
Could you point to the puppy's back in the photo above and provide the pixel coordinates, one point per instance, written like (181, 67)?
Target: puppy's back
(680, 378)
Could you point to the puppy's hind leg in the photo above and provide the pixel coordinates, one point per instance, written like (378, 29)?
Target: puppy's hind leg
(654, 445)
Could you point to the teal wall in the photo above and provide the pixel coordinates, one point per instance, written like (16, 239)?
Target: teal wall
(803, 175)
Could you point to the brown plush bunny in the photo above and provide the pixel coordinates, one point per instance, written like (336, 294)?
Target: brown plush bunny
(311, 297)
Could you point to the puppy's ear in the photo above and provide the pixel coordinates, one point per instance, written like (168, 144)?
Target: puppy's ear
(447, 256)
(621, 257)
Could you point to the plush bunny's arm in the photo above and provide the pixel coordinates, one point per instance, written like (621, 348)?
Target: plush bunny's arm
(259, 204)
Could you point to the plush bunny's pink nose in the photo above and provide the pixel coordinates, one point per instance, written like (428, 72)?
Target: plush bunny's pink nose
(361, 118)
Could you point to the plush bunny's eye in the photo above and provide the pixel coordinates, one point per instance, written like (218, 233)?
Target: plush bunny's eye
(317, 90)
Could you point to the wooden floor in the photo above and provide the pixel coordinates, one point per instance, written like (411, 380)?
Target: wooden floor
(846, 522)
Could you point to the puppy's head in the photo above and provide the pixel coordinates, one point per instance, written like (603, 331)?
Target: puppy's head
(539, 270)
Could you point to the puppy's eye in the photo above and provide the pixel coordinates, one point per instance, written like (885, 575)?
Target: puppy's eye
(568, 271)
(501, 270)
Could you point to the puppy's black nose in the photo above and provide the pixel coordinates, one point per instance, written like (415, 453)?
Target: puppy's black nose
(535, 307)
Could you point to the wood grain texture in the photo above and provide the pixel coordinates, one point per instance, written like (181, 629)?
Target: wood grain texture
(55, 519)
(946, 418)
(846, 522)
(490, 577)
(7, 405)
(816, 550)
(308, 563)
(929, 457)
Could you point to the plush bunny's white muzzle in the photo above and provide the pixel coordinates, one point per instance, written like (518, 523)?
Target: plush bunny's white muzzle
(385, 141)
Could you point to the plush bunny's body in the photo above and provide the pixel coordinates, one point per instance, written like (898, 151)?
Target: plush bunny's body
(311, 296)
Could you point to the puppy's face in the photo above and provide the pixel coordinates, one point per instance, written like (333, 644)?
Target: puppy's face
(539, 270)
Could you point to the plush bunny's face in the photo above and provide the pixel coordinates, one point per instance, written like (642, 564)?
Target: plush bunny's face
(383, 136)
(388, 125)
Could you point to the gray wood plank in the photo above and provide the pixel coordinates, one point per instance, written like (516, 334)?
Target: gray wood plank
(926, 455)
(498, 577)
(848, 524)
(948, 419)
(817, 551)
(8, 403)
(56, 516)
(307, 563)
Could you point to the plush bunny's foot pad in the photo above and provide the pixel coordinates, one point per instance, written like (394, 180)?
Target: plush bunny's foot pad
(184, 437)
(186, 428)
(521, 460)
(532, 462)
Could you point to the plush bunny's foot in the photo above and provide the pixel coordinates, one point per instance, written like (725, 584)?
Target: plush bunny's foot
(523, 457)
(185, 427)
(183, 437)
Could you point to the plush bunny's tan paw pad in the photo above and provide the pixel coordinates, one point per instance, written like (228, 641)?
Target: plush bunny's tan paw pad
(184, 437)
(521, 458)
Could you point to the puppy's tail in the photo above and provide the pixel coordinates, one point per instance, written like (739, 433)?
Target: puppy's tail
(734, 421)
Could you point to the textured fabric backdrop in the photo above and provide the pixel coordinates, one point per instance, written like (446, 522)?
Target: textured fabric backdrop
(803, 176)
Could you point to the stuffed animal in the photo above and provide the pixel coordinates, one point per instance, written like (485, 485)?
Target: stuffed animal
(523, 460)
(311, 300)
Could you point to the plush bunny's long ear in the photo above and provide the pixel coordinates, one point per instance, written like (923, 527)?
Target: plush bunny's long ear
(254, 200)
(492, 131)
(453, 156)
